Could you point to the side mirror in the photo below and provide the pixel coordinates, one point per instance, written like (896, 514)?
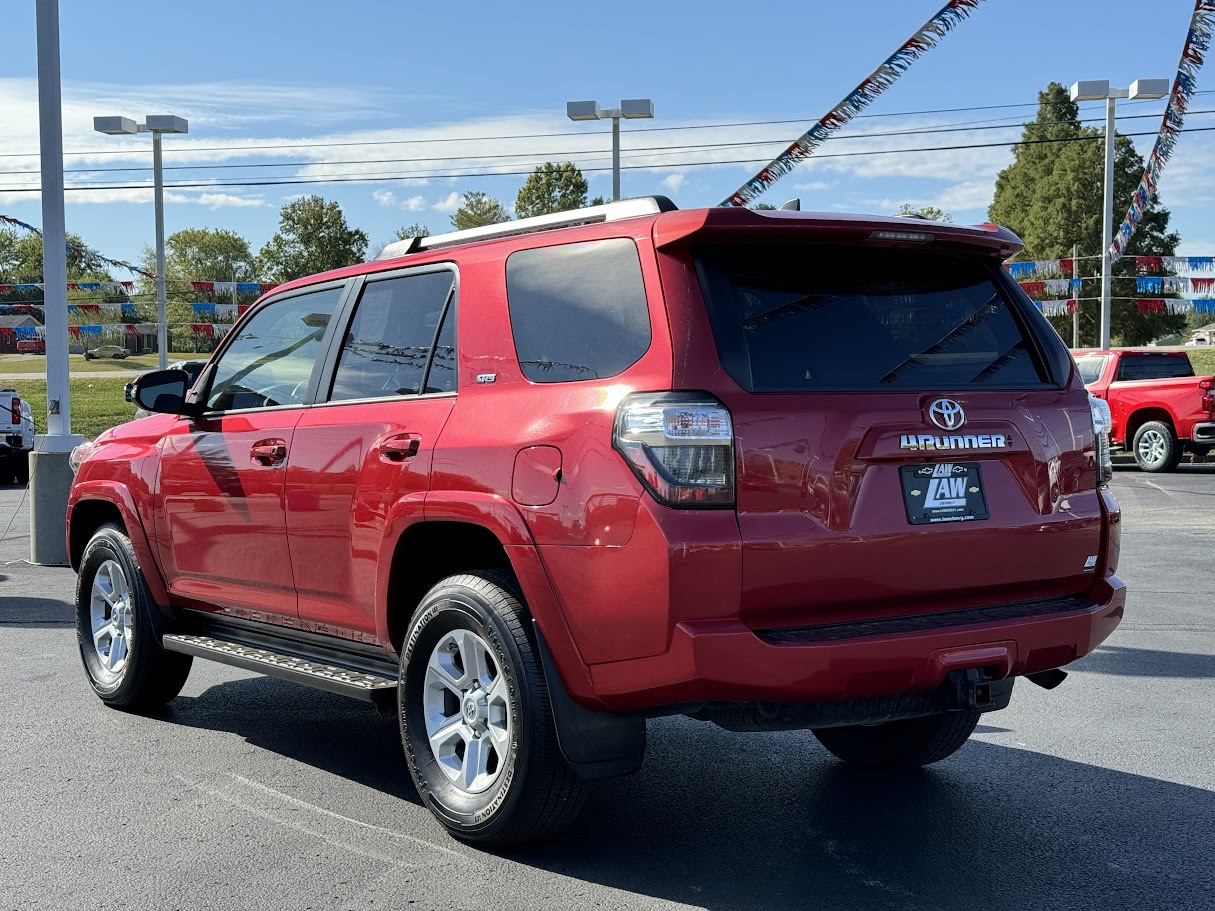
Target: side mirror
(163, 391)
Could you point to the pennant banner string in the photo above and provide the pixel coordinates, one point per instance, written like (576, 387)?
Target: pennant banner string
(1197, 43)
(928, 37)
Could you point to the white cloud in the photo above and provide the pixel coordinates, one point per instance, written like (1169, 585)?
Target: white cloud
(814, 185)
(227, 200)
(414, 203)
(448, 204)
(385, 197)
(969, 196)
(673, 181)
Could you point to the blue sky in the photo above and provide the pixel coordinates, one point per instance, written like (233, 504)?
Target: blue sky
(327, 79)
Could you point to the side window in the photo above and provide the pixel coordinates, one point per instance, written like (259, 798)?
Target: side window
(271, 361)
(577, 311)
(1091, 368)
(388, 347)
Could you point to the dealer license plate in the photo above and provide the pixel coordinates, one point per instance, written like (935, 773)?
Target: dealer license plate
(945, 492)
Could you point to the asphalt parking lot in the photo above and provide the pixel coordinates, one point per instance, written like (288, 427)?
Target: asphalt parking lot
(252, 793)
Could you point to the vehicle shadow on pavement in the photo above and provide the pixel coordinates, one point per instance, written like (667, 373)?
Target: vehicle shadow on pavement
(1145, 662)
(329, 732)
(734, 821)
(26, 611)
(725, 821)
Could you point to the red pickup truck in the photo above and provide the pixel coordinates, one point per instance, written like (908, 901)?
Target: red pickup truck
(1160, 408)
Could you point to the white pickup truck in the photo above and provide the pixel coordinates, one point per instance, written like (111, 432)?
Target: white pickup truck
(16, 437)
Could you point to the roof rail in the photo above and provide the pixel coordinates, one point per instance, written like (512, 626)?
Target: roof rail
(612, 211)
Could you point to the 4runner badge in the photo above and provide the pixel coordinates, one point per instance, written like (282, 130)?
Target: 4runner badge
(960, 441)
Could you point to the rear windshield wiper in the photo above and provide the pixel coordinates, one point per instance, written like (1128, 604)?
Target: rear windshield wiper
(958, 332)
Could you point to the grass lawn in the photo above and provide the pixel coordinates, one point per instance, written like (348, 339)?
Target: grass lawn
(97, 404)
(1203, 360)
(35, 364)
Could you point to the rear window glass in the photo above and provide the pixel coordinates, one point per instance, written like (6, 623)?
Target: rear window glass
(1153, 366)
(577, 311)
(1090, 368)
(804, 318)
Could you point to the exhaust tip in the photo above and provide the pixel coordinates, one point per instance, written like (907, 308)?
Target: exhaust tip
(1048, 680)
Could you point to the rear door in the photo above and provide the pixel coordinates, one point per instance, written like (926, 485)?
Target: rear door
(907, 438)
(369, 442)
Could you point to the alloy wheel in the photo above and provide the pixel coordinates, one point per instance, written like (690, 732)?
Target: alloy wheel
(111, 617)
(467, 710)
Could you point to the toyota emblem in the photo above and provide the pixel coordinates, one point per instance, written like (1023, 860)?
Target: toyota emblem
(946, 414)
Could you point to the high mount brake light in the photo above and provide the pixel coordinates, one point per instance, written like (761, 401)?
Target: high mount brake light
(680, 445)
(907, 237)
(1103, 423)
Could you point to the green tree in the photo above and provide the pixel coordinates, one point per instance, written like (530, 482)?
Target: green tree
(1051, 195)
(21, 260)
(479, 210)
(312, 237)
(763, 207)
(551, 188)
(200, 254)
(417, 229)
(931, 213)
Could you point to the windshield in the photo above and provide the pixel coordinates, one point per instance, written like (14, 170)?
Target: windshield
(792, 318)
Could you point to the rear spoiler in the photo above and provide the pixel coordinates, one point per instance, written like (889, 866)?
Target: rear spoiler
(676, 228)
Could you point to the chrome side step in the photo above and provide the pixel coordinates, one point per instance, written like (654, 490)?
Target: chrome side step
(377, 688)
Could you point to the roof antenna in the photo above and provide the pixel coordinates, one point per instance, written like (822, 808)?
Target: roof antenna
(793, 205)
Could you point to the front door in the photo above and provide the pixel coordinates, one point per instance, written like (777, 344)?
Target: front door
(370, 444)
(223, 532)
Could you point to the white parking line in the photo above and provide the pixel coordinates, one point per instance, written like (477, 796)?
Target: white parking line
(287, 798)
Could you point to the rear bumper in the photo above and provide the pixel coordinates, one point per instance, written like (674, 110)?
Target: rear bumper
(1203, 433)
(723, 660)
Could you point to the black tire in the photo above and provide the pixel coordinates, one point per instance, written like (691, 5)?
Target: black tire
(21, 468)
(149, 676)
(534, 793)
(900, 744)
(1160, 449)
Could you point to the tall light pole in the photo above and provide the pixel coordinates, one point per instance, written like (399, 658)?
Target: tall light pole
(630, 109)
(156, 124)
(50, 473)
(1096, 90)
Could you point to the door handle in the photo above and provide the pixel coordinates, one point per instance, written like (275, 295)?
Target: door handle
(400, 448)
(268, 453)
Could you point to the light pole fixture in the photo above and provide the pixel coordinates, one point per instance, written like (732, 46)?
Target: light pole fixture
(630, 109)
(156, 124)
(1096, 90)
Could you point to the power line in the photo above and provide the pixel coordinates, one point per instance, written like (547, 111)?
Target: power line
(384, 177)
(706, 126)
(546, 156)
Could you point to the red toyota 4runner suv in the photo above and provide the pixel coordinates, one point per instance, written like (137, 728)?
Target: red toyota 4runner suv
(532, 484)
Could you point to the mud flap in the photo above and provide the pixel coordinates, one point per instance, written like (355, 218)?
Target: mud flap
(595, 744)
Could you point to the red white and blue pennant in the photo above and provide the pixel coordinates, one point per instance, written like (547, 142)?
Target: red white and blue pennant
(1197, 43)
(924, 40)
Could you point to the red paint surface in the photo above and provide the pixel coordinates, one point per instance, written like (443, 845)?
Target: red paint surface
(641, 605)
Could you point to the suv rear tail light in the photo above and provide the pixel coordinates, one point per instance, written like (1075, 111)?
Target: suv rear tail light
(681, 446)
(16, 411)
(1103, 423)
